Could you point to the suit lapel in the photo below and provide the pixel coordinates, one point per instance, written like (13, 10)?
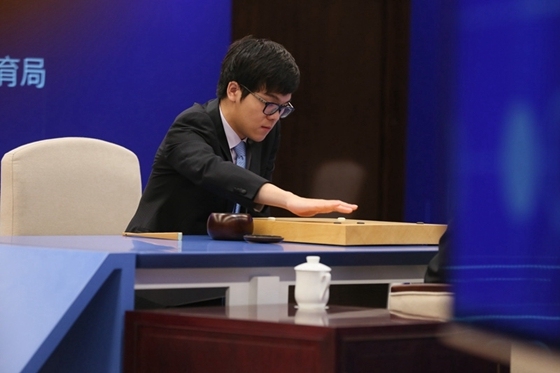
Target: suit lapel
(214, 112)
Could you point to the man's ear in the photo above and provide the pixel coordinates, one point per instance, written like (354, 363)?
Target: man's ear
(234, 92)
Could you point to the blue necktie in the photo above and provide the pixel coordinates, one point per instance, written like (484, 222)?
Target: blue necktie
(240, 152)
(240, 160)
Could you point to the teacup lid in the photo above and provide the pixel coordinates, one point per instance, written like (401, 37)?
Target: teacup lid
(312, 264)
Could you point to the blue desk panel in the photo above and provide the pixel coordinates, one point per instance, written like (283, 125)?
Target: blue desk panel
(63, 308)
(203, 252)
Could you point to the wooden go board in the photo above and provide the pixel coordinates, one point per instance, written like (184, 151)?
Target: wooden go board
(347, 232)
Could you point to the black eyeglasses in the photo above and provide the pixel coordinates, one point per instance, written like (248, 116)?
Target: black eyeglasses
(271, 108)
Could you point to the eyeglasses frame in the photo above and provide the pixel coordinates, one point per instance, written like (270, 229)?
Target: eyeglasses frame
(287, 105)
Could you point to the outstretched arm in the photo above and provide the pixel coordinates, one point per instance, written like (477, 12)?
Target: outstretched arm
(271, 195)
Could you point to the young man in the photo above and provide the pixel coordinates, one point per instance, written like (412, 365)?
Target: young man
(195, 173)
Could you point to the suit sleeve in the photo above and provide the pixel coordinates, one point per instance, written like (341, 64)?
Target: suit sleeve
(192, 149)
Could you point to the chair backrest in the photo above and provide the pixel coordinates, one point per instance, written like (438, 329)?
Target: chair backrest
(68, 186)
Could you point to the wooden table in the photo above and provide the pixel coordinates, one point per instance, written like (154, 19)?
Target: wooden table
(280, 338)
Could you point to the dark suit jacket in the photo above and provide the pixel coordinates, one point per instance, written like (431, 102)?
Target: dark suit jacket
(193, 174)
(437, 267)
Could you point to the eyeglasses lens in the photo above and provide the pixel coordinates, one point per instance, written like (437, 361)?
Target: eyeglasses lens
(272, 108)
(285, 111)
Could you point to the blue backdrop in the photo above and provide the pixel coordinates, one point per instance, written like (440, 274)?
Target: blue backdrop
(506, 167)
(117, 70)
(427, 196)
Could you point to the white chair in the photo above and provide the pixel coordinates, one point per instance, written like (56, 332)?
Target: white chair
(68, 186)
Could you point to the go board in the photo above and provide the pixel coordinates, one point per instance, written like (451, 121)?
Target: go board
(348, 232)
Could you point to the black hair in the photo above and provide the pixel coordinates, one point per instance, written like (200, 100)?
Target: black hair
(258, 64)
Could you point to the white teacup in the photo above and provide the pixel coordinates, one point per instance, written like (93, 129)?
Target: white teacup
(312, 284)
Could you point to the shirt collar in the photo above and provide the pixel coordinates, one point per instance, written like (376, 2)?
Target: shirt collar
(231, 136)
